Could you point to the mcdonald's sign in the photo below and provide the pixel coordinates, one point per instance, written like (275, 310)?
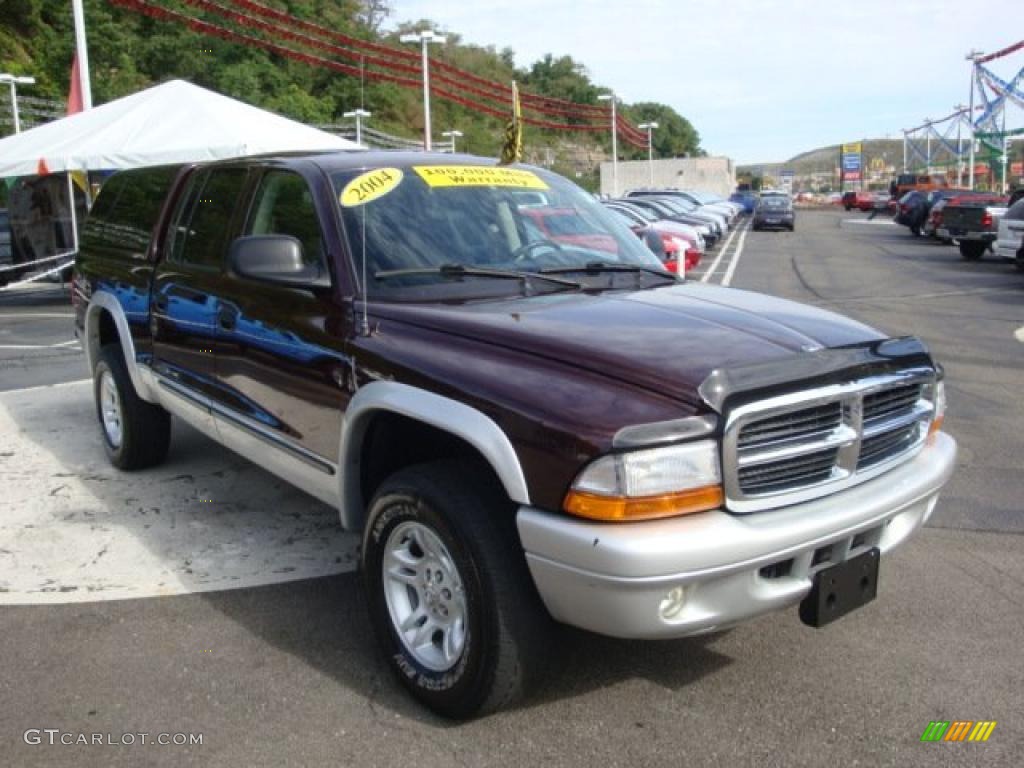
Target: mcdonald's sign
(958, 730)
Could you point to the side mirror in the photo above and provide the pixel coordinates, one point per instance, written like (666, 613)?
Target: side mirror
(275, 259)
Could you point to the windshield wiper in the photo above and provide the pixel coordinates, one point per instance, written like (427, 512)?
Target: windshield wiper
(453, 271)
(604, 266)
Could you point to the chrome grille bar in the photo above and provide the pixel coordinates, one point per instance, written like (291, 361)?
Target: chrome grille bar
(806, 444)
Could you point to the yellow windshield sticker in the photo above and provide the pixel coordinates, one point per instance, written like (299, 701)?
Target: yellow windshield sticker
(369, 186)
(478, 176)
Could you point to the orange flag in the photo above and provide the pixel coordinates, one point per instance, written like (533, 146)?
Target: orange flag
(75, 91)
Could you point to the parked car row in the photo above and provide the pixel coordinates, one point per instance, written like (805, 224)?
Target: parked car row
(975, 221)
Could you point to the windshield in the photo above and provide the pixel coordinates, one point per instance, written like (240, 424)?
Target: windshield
(476, 217)
(677, 204)
(641, 212)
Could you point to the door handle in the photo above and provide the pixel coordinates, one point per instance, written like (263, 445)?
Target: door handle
(227, 317)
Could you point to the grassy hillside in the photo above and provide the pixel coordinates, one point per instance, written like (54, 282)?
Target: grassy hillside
(826, 159)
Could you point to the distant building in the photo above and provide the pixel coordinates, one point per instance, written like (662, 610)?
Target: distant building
(708, 174)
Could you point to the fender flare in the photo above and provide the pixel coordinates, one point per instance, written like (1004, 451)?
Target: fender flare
(98, 302)
(459, 419)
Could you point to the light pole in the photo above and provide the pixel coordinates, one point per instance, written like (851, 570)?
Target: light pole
(610, 96)
(959, 145)
(358, 114)
(972, 56)
(649, 127)
(928, 145)
(425, 38)
(14, 81)
(451, 136)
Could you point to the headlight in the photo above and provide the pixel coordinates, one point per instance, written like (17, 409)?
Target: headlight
(650, 483)
(939, 414)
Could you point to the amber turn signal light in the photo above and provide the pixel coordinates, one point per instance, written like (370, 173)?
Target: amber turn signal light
(623, 509)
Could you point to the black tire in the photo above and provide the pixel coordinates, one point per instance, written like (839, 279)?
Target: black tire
(848, 207)
(145, 429)
(915, 230)
(507, 629)
(972, 251)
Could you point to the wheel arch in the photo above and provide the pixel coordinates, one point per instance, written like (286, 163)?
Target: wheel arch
(469, 426)
(105, 312)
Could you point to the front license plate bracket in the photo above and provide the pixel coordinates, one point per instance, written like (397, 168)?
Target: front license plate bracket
(841, 588)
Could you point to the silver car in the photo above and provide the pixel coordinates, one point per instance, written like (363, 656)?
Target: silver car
(1011, 233)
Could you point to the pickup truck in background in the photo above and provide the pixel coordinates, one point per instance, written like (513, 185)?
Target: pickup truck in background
(971, 221)
(503, 416)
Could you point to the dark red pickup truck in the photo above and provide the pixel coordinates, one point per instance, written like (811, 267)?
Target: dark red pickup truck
(526, 431)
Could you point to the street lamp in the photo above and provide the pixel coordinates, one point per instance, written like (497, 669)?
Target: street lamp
(452, 135)
(972, 56)
(14, 81)
(358, 114)
(610, 96)
(649, 127)
(425, 38)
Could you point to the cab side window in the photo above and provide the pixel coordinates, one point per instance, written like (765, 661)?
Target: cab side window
(202, 229)
(284, 206)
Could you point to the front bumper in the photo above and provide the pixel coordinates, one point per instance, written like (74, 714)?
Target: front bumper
(694, 574)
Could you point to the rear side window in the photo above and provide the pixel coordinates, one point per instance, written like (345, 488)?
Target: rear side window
(126, 210)
(1016, 211)
(284, 206)
(204, 222)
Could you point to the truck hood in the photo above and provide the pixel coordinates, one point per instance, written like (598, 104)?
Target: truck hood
(667, 340)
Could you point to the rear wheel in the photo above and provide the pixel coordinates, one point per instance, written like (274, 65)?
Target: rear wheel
(136, 434)
(972, 251)
(450, 595)
(915, 230)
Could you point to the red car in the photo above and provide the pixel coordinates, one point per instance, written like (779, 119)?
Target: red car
(565, 225)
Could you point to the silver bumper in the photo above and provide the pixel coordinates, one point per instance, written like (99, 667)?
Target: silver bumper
(688, 575)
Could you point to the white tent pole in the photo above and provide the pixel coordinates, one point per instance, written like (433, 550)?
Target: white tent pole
(82, 52)
(74, 214)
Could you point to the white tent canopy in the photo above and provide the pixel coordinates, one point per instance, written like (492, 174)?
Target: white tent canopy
(176, 122)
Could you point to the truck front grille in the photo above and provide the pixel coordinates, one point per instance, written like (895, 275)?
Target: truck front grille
(807, 444)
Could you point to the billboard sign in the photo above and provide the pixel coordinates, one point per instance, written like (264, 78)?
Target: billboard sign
(850, 161)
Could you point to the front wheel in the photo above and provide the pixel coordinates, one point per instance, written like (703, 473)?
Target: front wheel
(136, 434)
(450, 596)
(972, 251)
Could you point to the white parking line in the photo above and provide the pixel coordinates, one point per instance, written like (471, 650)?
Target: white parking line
(64, 315)
(725, 247)
(735, 258)
(46, 386)
(40, 346)
(874, 222)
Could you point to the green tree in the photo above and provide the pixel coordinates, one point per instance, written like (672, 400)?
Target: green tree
(675, 136)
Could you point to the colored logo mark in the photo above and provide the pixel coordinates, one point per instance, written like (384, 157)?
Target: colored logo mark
(958, 730)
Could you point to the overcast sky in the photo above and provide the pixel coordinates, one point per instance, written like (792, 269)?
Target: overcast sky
(761, 81)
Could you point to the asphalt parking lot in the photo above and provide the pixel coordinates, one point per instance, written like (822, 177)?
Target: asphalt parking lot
(207, 597)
